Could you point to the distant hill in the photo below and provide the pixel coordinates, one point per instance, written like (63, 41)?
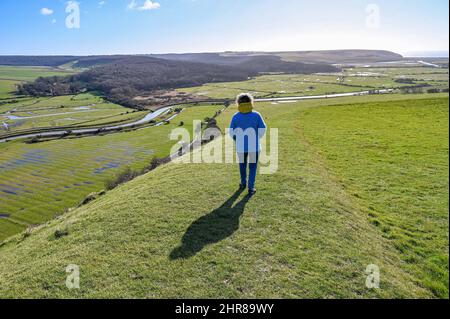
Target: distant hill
(58, 60)
(220, 58)
(324, 57)
(259, 63)
(333, 56)
(27, 60)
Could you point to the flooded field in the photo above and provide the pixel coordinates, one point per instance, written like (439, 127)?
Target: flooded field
(39, 181)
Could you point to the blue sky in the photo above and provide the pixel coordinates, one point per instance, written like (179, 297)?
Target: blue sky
(143, 26)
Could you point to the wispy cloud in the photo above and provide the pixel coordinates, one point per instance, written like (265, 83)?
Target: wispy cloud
(147, 5)
(132, 5)
(150, 5)
(101, 3)
(46, 11)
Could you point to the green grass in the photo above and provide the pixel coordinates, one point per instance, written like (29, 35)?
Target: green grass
(11, 76)
(29, 73)
(182, 231)
(68, 170)
(7, 88)
(393, 158)
(73, 110)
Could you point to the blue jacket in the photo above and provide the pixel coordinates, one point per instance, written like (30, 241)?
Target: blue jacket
(247, 129)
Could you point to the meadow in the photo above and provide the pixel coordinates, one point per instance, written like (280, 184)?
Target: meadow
(361, 180)
(350, 80)
(10, 77)
(62, 111)
(393, 159)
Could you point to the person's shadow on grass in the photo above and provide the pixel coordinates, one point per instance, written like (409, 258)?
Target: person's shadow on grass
(212, 228)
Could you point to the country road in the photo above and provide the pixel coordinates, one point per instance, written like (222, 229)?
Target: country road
(154, 115)
(326, 96)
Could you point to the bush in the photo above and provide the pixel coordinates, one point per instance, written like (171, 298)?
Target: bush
(27, 233)
(405, 80)
(61, 233)
(129, 174)
(156, 162)
(88, 199)
(33, 140)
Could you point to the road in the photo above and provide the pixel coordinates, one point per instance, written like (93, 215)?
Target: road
(326, 96)
(154, 115)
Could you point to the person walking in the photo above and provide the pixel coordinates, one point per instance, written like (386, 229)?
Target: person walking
(247, 127)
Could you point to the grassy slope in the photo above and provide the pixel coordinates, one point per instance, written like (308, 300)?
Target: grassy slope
(394, 159)
(175, 232)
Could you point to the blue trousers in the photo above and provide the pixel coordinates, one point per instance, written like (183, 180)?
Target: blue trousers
(250, 160)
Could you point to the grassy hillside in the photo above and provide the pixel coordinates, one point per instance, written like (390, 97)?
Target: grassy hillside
(12, 76)
(393, 157)
(312, 229)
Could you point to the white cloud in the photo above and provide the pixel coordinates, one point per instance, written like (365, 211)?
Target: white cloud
(53, 21)
(147, 5)
(101, 3)
(46, 11)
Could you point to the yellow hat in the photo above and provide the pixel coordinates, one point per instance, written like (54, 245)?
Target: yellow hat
(245, 107)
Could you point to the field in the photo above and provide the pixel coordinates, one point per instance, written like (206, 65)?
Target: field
(397, 169)
(361, 180)
(25, 113)
(351, 80)
(40, 181)
(73, 110)
(10, 77)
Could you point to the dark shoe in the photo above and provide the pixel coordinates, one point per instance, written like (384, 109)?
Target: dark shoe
(242, 187)
(252, 191)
